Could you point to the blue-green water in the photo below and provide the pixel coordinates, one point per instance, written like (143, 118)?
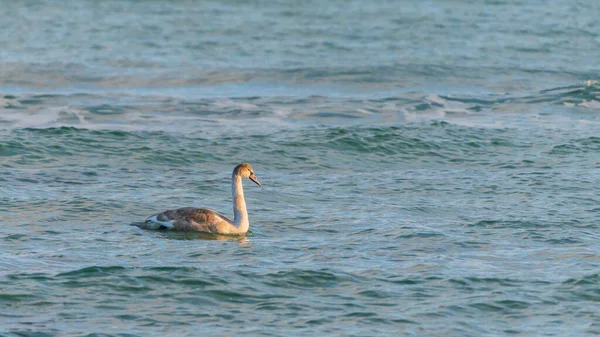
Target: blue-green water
(429, 168)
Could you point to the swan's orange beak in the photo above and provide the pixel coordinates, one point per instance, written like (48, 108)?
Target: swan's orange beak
(253, 178)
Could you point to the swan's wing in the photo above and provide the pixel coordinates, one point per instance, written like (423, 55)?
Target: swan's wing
(199, 215)
(183, 218)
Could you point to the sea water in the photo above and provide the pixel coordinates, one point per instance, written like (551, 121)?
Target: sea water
(429, 168)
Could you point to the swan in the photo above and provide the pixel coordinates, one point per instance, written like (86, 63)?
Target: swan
(191, 219)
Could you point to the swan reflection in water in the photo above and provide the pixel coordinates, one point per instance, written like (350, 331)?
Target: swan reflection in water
(189, 236)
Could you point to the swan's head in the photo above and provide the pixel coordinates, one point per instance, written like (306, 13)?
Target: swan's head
(244, 170)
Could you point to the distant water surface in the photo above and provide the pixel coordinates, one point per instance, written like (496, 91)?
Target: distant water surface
(429, 168)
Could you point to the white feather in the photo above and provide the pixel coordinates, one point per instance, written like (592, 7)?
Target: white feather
(168, 224)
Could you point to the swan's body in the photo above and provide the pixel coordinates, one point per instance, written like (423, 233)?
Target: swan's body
(206, 219)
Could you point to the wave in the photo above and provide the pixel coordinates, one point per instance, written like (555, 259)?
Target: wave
(191, 277)
(435, 141)
(169, 111)
(438, 141)
(577, 145)
(60, 76)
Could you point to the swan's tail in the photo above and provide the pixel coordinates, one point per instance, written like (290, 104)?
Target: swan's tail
(147, 225)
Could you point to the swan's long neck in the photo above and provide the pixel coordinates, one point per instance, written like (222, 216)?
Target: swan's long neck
(240, 219)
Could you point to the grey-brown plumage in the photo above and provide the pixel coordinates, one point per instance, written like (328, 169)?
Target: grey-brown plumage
(206, 219)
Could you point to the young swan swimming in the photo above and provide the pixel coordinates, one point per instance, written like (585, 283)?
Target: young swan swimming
(193, 219)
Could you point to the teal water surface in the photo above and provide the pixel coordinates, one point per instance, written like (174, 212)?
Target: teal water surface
(429, 168)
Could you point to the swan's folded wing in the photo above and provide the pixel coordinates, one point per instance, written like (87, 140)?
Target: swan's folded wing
(199, 215)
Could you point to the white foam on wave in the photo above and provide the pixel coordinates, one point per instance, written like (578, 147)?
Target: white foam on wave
(46, 117)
